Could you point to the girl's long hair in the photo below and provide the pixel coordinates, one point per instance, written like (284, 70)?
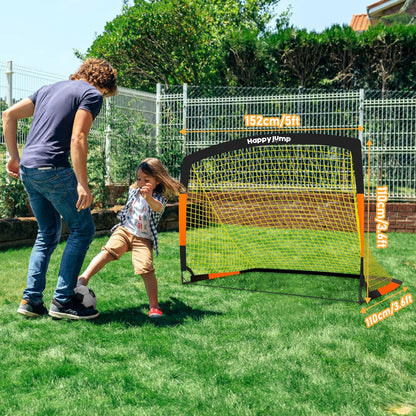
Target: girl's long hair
(154, 167)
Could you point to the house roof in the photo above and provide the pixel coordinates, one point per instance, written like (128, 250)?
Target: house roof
(359, 22)
(382, 4)
(378, 3)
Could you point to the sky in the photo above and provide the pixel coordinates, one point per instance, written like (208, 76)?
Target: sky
(43, 34)
(317, 15)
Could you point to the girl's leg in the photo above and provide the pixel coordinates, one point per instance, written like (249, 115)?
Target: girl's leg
(142, 257)
(116, 246)
(150, 284)
(96, 264)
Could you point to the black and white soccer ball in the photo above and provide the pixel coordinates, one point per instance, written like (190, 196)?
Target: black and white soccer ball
(86, 296)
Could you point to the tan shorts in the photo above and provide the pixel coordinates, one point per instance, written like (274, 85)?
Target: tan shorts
(141, 249)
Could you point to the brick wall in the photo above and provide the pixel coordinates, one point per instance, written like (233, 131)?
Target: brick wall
(401, 217)
(17, 232)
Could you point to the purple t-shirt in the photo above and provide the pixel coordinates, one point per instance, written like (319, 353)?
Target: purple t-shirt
(49, 139)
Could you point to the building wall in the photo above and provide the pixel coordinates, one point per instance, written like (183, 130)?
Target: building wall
(393, 10)
(15, 232)
(401, 217)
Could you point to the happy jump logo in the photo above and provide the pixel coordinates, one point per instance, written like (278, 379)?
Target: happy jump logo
(269, 140)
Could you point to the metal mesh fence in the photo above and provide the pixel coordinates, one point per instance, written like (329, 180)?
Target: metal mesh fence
(214, 115)
(390, 124)
(17, 83)
(138, 124)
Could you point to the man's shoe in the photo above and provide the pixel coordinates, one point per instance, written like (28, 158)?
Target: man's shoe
(28, 308)
(72, 309)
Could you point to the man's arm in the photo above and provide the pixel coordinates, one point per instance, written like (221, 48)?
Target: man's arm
(22, 109)
(79, 151)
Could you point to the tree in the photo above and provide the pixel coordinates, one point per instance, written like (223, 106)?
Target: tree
(340, 56)
(302, 55)
(232, 42)
(245, 61)
(384, 54)
(177, 41)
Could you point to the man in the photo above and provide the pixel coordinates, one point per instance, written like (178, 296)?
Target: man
(63, 114)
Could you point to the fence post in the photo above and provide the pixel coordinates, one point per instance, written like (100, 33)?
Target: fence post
(300, 103)
(158, 112)
(9, 92)
(9, 73)
(184, 115)
(107, 149)
(361, 114)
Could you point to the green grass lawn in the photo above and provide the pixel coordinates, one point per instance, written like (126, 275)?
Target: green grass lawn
(215, 352)
(239, 247)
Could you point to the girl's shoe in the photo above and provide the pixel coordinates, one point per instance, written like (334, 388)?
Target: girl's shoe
(155, 313)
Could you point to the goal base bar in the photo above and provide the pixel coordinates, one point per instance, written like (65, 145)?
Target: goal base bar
(393, 285)
(210, 276)
(374, 294)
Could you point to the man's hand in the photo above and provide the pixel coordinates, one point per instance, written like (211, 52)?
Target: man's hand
(12, 168)
(10, 117)
(85, 197)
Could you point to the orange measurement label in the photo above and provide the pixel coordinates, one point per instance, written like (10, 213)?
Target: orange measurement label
(286, 120)
(394, 307)
(382, 225)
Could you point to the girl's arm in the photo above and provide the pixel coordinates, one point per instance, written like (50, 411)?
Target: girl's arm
(146, 192)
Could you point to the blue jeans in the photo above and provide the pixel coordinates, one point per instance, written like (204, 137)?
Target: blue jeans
(52, 194)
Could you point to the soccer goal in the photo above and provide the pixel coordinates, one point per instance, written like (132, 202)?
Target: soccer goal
(291, 203)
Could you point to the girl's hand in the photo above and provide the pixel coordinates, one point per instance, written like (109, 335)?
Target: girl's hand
(146, 191)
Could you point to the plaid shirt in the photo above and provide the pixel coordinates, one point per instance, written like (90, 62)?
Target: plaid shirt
(154, 216)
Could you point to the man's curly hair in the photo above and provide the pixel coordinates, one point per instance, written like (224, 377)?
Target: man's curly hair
(98, 72)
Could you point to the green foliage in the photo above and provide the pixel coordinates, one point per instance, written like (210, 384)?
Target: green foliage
(397, 18)
(302, 56)
(177, 41)
(130, 139)
(3, 106)
(387, 57)
(246, 57)
(23, 125)
(341, 56)
(232, 42)
(131, 142)
(171, 154)
(97, 170)
(13, 198)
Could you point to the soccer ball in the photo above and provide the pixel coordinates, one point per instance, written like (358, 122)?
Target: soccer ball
(86, 296)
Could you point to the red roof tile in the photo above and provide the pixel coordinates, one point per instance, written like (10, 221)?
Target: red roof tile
(359, 22)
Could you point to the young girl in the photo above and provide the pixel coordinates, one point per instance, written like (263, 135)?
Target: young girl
(136, 231)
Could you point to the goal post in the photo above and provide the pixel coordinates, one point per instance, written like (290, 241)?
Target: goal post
(291, 203)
